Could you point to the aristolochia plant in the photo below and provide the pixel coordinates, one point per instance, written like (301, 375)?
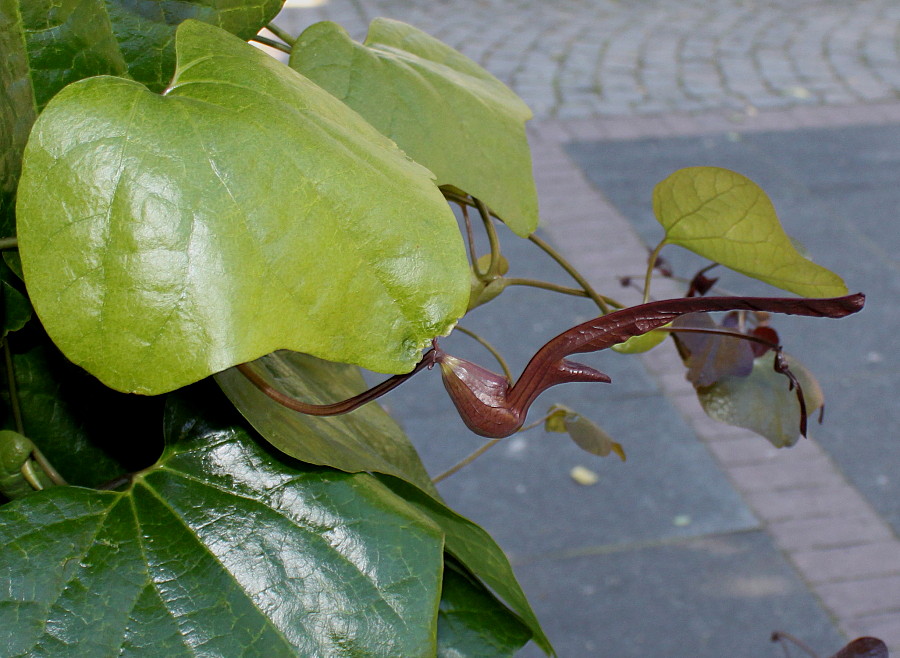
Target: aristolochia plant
(200, 228)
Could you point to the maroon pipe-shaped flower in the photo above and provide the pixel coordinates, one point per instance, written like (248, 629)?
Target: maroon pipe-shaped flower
(489, 406)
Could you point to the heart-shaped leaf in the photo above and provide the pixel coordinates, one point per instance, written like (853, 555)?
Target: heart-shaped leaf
(763, 401)
(167, 238)
(471, 622)
(365, 440)
(221, 550)
(726, 217)
(442, 108)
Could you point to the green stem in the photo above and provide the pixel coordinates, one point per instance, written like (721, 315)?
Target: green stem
(601, 302)
(271, 43)
(490, 348)
(470, 236)
(47, 467)
(13, 389)
(651, 263)
(494, 267)
(282, 34)
(9, 243)
(546, 285)
(465, 462)
(483, 449)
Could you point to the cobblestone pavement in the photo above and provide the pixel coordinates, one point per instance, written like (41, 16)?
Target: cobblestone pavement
(580, 58)
(601, 71)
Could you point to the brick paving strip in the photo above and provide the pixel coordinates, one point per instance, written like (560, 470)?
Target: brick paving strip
(843, 550)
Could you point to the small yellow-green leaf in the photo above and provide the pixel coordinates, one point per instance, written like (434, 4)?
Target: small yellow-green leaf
(726, 217)
(440, 107)
(592, 438)
(642, 343)
(763, 402)
(556, 418)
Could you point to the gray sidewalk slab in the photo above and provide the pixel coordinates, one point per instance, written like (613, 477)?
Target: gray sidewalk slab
(835, 190)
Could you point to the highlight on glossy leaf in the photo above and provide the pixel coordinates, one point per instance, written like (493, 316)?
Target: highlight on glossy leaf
(586, 434)
(442, 108)
(727, 218)
(151, 281)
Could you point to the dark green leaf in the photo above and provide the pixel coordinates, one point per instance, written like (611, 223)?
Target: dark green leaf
(220, 550)
(168, 238)
(477, 551)
(471, 622)
(145, 29)
(16, 308)
(726, 217)
(68, 40)
(365, 440)
(763, 402)
(17, 109)
(89, 433)
(442, 108)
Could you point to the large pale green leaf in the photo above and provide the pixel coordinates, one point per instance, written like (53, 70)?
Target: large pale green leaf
(366, 439)
(726, 217)
(17, 109)
(471, 622)
(763, 401)
(442, 108)
(220, 550)
(164, 238)
(478, 552)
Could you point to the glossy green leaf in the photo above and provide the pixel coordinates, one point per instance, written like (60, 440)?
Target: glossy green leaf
(167, 238)
(68, 40)
(725, 217)
(220, 550)
(442, 108)
(366, 439)
(145, 29)
(763, 402)
(77, 422)
(477, 551)
(17, 110)
(471, 622)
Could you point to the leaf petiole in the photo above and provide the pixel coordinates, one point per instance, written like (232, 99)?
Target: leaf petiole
(271, 43)
(282, 34)
(651, 264)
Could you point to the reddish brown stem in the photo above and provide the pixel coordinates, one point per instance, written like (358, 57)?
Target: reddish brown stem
(336, 408)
